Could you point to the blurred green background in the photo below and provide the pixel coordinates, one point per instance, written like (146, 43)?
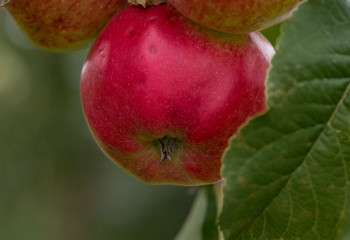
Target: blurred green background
(54, 181)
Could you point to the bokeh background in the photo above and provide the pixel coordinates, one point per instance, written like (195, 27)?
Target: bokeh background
(54, 181)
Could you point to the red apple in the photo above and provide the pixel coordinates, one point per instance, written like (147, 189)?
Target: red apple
(162, 95)
(236, 16)
(62, 25)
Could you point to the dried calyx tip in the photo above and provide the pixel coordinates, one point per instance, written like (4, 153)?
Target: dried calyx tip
(169, 146)
(146, 3)
(3, 3)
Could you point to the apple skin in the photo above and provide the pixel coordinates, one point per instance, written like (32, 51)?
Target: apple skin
(63, 25)
(163, 77)
(236, 16)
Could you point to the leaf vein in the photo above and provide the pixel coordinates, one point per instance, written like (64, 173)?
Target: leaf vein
(302, 162)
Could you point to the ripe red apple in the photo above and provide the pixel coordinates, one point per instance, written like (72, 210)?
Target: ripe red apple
(62, 25)
(236, 16)
(162, 95)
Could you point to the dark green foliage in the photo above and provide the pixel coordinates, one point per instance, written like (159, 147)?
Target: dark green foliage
(288, 171)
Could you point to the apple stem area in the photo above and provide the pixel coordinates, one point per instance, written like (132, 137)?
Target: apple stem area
(146, 3)
(169, 147)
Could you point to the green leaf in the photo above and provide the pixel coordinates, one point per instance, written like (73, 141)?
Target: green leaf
(288, 170)
(272, 33)
(210, 229)
(201, 223)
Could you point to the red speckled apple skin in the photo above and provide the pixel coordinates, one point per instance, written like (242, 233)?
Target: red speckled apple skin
(63, 25)
(152, 74)
(236, 16)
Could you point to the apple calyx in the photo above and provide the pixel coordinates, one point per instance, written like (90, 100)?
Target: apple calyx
(169, 146)
(146, 3)
(4, 2)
